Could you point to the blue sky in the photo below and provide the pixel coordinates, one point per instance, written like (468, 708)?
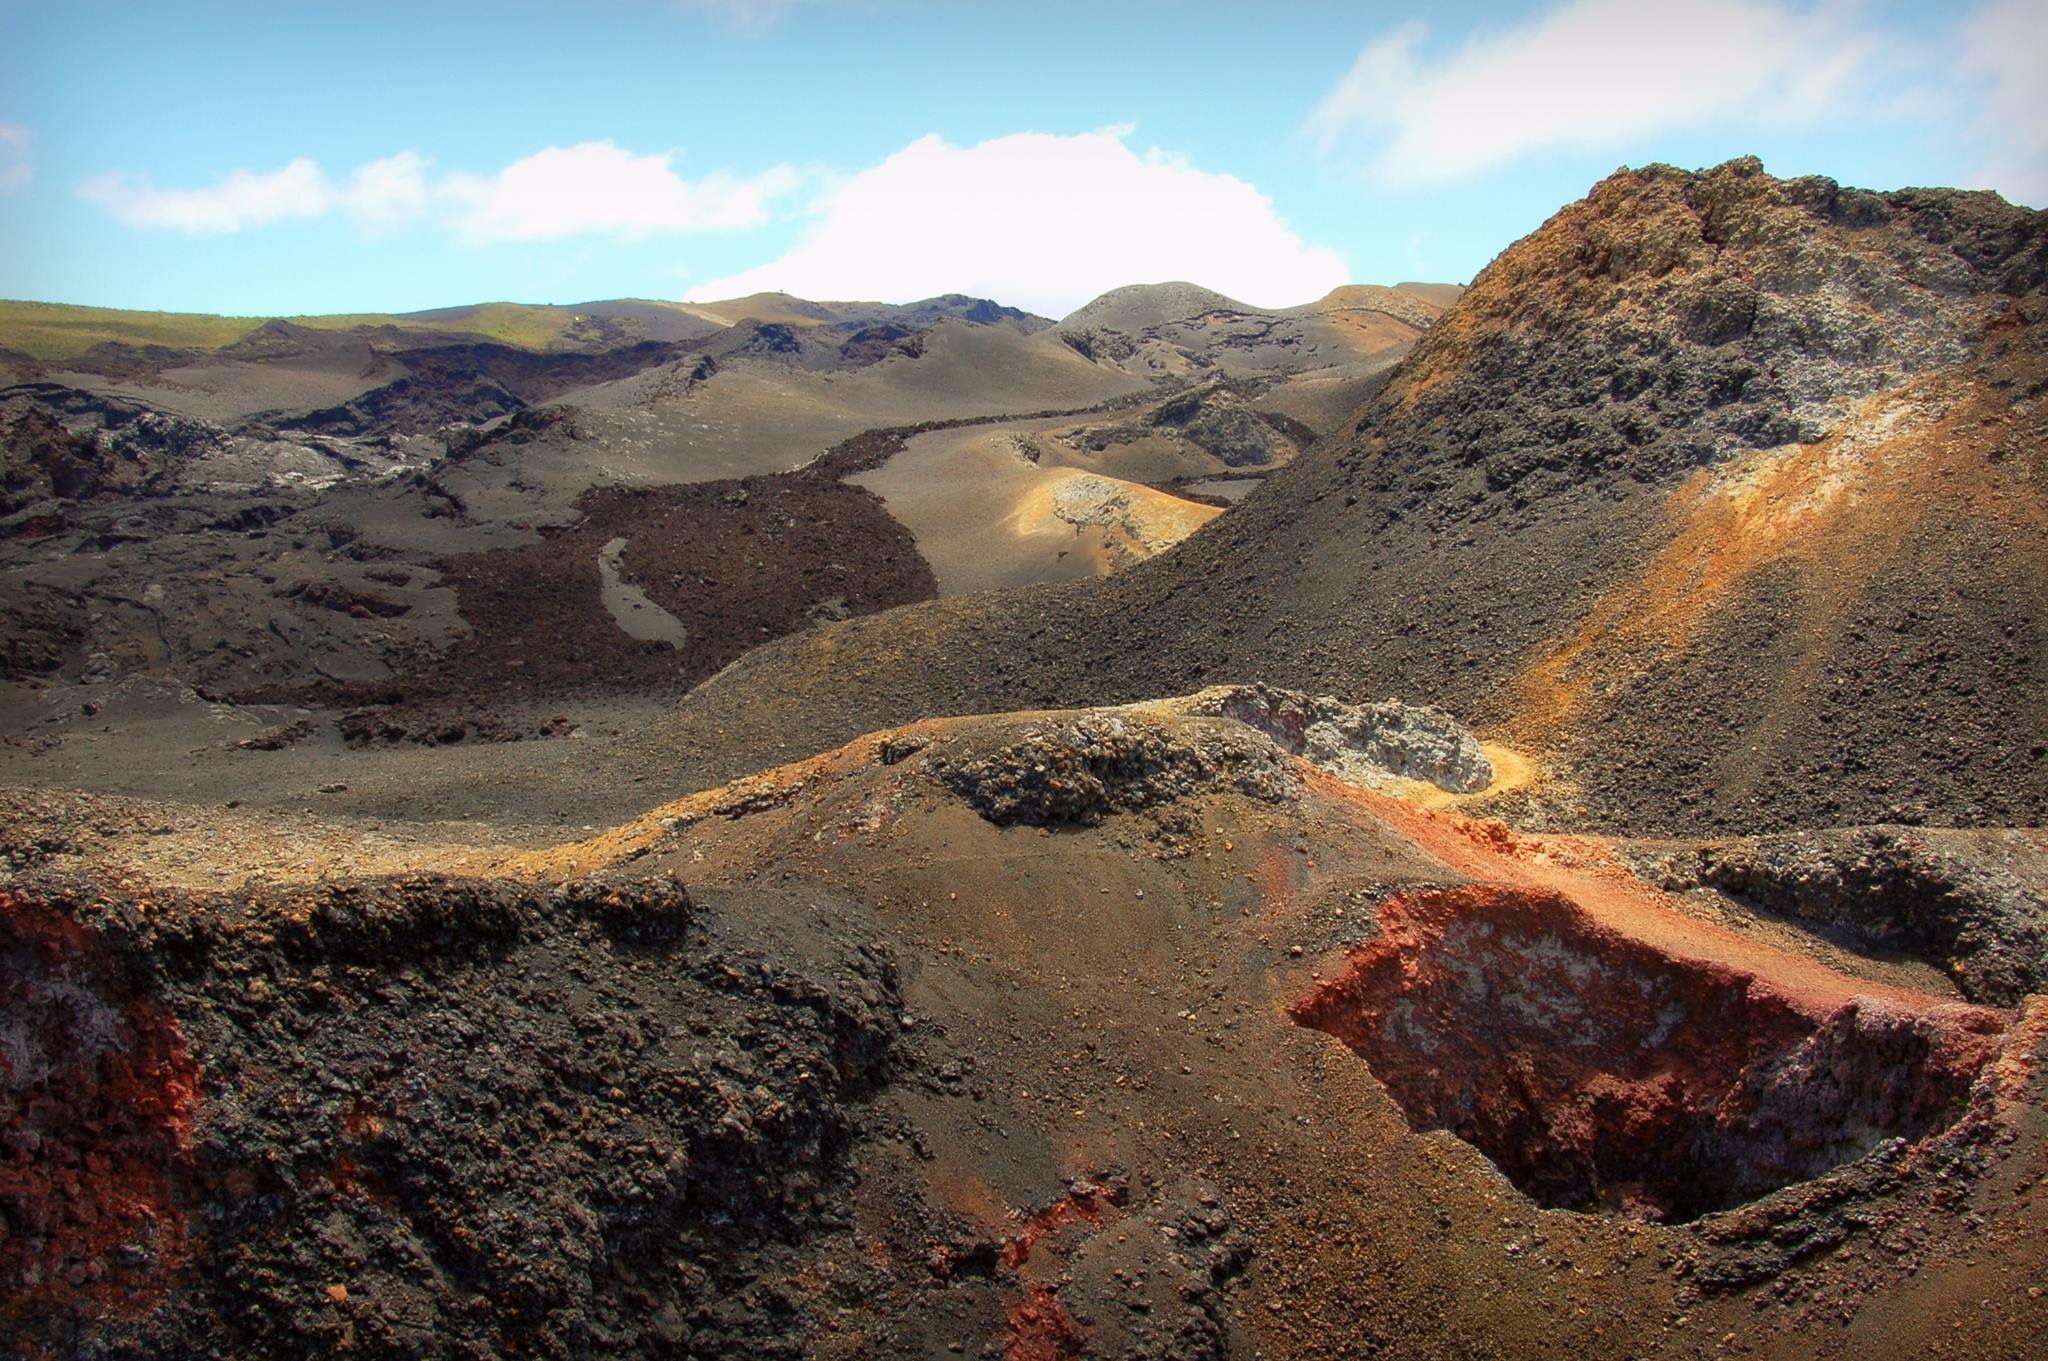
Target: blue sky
(301, 156)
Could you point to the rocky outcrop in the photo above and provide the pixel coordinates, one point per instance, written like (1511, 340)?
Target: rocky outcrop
(98, 1090)
(1212, 418)
(404, 406)
(421, 1116)
(1083, 769)
(767, 340)
(884, 340)
(1121, 760)
(63, 447)
(1361, 743)
(1957, 899)
(1222, 423)
(1138, 521)
(1099, 343)
(472, 383)
(60, 444)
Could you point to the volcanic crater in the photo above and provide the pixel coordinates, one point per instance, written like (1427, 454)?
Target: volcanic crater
(1602, 1073)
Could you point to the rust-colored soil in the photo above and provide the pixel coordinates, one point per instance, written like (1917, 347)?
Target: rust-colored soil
(97, 1095)
(1837, 511)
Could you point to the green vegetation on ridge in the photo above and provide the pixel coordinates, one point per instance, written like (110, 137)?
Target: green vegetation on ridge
(54, 332)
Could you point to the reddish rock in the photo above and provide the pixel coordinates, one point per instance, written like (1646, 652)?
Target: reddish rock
(1039, 1328)
(1598, 1070)
(97, 1094)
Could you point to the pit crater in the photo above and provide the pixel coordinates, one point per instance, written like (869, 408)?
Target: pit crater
(1600, 1073)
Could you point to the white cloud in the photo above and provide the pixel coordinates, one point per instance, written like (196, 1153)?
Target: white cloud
(16, 169)
(1589, 75)
(380, 193)
(561, 191)
(599, 187)
(2005, 47)
(387, 192)
(1043, 222)
(244, 198)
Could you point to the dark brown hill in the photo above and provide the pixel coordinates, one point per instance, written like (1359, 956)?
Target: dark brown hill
(1723, 494)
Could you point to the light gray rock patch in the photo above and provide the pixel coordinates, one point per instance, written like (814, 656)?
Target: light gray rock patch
(630, 608)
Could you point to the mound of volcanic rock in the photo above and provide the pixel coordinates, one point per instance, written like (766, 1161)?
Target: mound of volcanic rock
(1361, 743)
(62, 446)
(1222, 423)
(1216, 421)
(1082, 769)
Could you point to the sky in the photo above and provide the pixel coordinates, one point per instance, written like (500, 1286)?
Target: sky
(299, 156)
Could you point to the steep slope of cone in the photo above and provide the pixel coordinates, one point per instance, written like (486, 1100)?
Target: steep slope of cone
(1722, 492)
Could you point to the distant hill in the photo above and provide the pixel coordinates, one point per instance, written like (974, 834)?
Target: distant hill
(1177, 330)
(788, 310)
(1137, 307)
(1443, 295)
(56, 332)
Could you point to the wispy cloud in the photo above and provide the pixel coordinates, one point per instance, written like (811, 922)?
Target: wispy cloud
(1044, 222)
(238, 200)
(1588, 75)
(589, 188)
(386, 192)
(16, 167)
(2005, 47)
(748, 16)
